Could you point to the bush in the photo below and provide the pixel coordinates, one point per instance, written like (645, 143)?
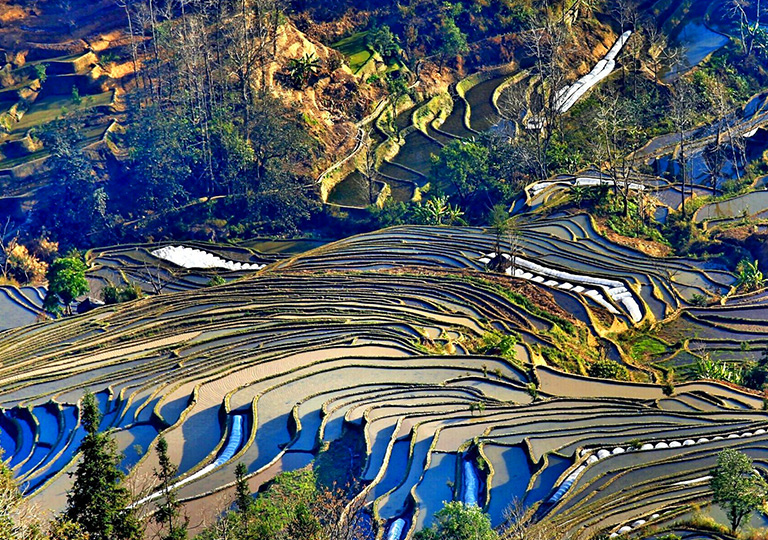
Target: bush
(756, 375)
(215, 281)
(117, 295)
(457, 521)
(383, 41)
(608, 369)
(498, 344)
(699, 300)
(750, 278)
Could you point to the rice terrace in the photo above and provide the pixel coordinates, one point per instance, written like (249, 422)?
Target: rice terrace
(373, 270)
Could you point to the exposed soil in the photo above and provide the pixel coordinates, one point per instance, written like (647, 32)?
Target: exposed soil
(649, 247)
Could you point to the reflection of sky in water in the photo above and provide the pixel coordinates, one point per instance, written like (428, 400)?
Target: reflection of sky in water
(699, 41)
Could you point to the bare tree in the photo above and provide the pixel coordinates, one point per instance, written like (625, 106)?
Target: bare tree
(714, 153)
(368, 166)
(656, 42)
(536, 112)
(159, 277)
(683, 107)
(341, 518)
(631, 57)
(126, 6)
(728, 144)
(580, 8)
(19, 517)
(618, 139)
(252, 46)
(520, 524)
(140, 485)
(750, 30)
(626, 13)
(6, 245)
(628, 16)
(514, 242)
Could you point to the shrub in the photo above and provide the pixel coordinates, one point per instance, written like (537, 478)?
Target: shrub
(382, 40)
(749, 276)
(40, 72)
(756, 375)
(707, 523)
(22, 265)
(707, 368)
(608, 369)
(117, 295)
(457, 521)
(668, 387)
(498, 344)
(699, 300)
(215, 281)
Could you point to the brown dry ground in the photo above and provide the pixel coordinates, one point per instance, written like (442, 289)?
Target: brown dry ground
(649, 247)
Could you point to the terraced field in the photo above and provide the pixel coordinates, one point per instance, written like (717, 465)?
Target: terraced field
(472, 106)
(387, 345)
(140, 265)
(377, 342)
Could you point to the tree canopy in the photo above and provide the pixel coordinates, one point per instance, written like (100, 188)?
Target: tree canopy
(98, 501)
(457, 521)
(737, 488)
(66, 281)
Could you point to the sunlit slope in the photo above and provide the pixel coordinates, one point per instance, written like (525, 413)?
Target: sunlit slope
(388, 342)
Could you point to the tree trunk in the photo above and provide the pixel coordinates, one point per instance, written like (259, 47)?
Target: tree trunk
(683, 167)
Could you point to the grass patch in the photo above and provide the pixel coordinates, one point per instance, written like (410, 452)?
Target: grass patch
(646, 347)
(52, 108)
(355, 49)
(571, 351)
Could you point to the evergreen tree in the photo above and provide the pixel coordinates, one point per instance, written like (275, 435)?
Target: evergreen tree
(168, 511)
(98, 501)
(244, 505)
(243, 500)
(304, 526)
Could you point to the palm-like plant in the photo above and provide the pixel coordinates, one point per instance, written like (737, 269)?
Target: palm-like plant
(708, 368)
(301, 69)
(749, 276)
(438, 211)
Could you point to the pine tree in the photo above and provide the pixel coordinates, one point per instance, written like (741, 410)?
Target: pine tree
(168, 511)
(244, 505)
(243, 499)
(98, 501)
